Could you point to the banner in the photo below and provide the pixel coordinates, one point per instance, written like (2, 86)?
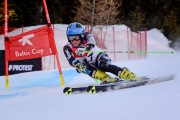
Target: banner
(19, 66)
(32, 44)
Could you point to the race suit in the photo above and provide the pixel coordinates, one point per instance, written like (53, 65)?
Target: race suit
(92, 59)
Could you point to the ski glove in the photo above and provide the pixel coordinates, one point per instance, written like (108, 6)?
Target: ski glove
(78, 65)
(89, 47)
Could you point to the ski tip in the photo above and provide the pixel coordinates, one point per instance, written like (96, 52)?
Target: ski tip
(172, 76)
(91, 89)
(67, 90)
(169, 77)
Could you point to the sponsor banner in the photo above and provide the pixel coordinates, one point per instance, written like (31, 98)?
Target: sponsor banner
(19, 66)
(32, 44)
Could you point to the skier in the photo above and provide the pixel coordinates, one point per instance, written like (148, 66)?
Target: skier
(83, 54)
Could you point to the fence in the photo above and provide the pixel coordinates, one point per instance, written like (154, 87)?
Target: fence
(120, 43)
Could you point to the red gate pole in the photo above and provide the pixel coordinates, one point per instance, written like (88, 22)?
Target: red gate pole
(56, 54)
(114, 45)
(5, 40)
(101, 39)
(131, 46)
(46, 12)
(128, 43)
(145, 41)
(141, 51)
(137, 42)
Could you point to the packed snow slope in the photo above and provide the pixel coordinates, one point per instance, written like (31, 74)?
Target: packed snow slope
(38, 95)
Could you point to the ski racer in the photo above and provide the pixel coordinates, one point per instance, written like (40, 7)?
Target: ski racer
(83, 54)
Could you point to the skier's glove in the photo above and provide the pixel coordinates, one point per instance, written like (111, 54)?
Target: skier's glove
(78, 65)
(128, 75)
(89, 47)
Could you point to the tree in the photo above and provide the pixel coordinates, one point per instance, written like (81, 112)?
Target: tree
(83, 11)
(105, 12)
(12, 16)
(61, 11)
(29, 12)
(136, 19)
(1, 14)
(171, 28)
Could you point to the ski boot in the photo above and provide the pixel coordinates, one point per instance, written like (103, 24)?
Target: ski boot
(105, 78)
(110, 79)
(127, 75)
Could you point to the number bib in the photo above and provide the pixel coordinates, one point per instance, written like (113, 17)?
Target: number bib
(79, 52)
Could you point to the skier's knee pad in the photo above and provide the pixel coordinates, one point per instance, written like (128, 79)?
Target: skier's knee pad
(103, 65)
(103, 61)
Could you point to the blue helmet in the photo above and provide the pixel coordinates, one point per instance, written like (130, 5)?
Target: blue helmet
(75, 28)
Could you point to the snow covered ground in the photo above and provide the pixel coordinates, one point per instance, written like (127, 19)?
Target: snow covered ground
(38, 95)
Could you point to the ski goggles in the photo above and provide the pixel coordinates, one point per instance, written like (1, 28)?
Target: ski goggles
(75, 37)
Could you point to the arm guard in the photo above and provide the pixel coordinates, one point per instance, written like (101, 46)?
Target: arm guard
(69, 55)
(89, 38)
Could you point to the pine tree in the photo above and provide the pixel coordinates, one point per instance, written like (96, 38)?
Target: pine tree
(136, 19)
(171, 28)
(12, 15)
(83, 11)
(105, 12)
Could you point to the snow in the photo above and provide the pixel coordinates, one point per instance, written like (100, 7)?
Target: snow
(38, 95)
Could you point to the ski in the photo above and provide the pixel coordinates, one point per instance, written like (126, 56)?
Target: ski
(71, 90)
(77, 90)
(98, 88)
(130, 84)
(122, 84)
